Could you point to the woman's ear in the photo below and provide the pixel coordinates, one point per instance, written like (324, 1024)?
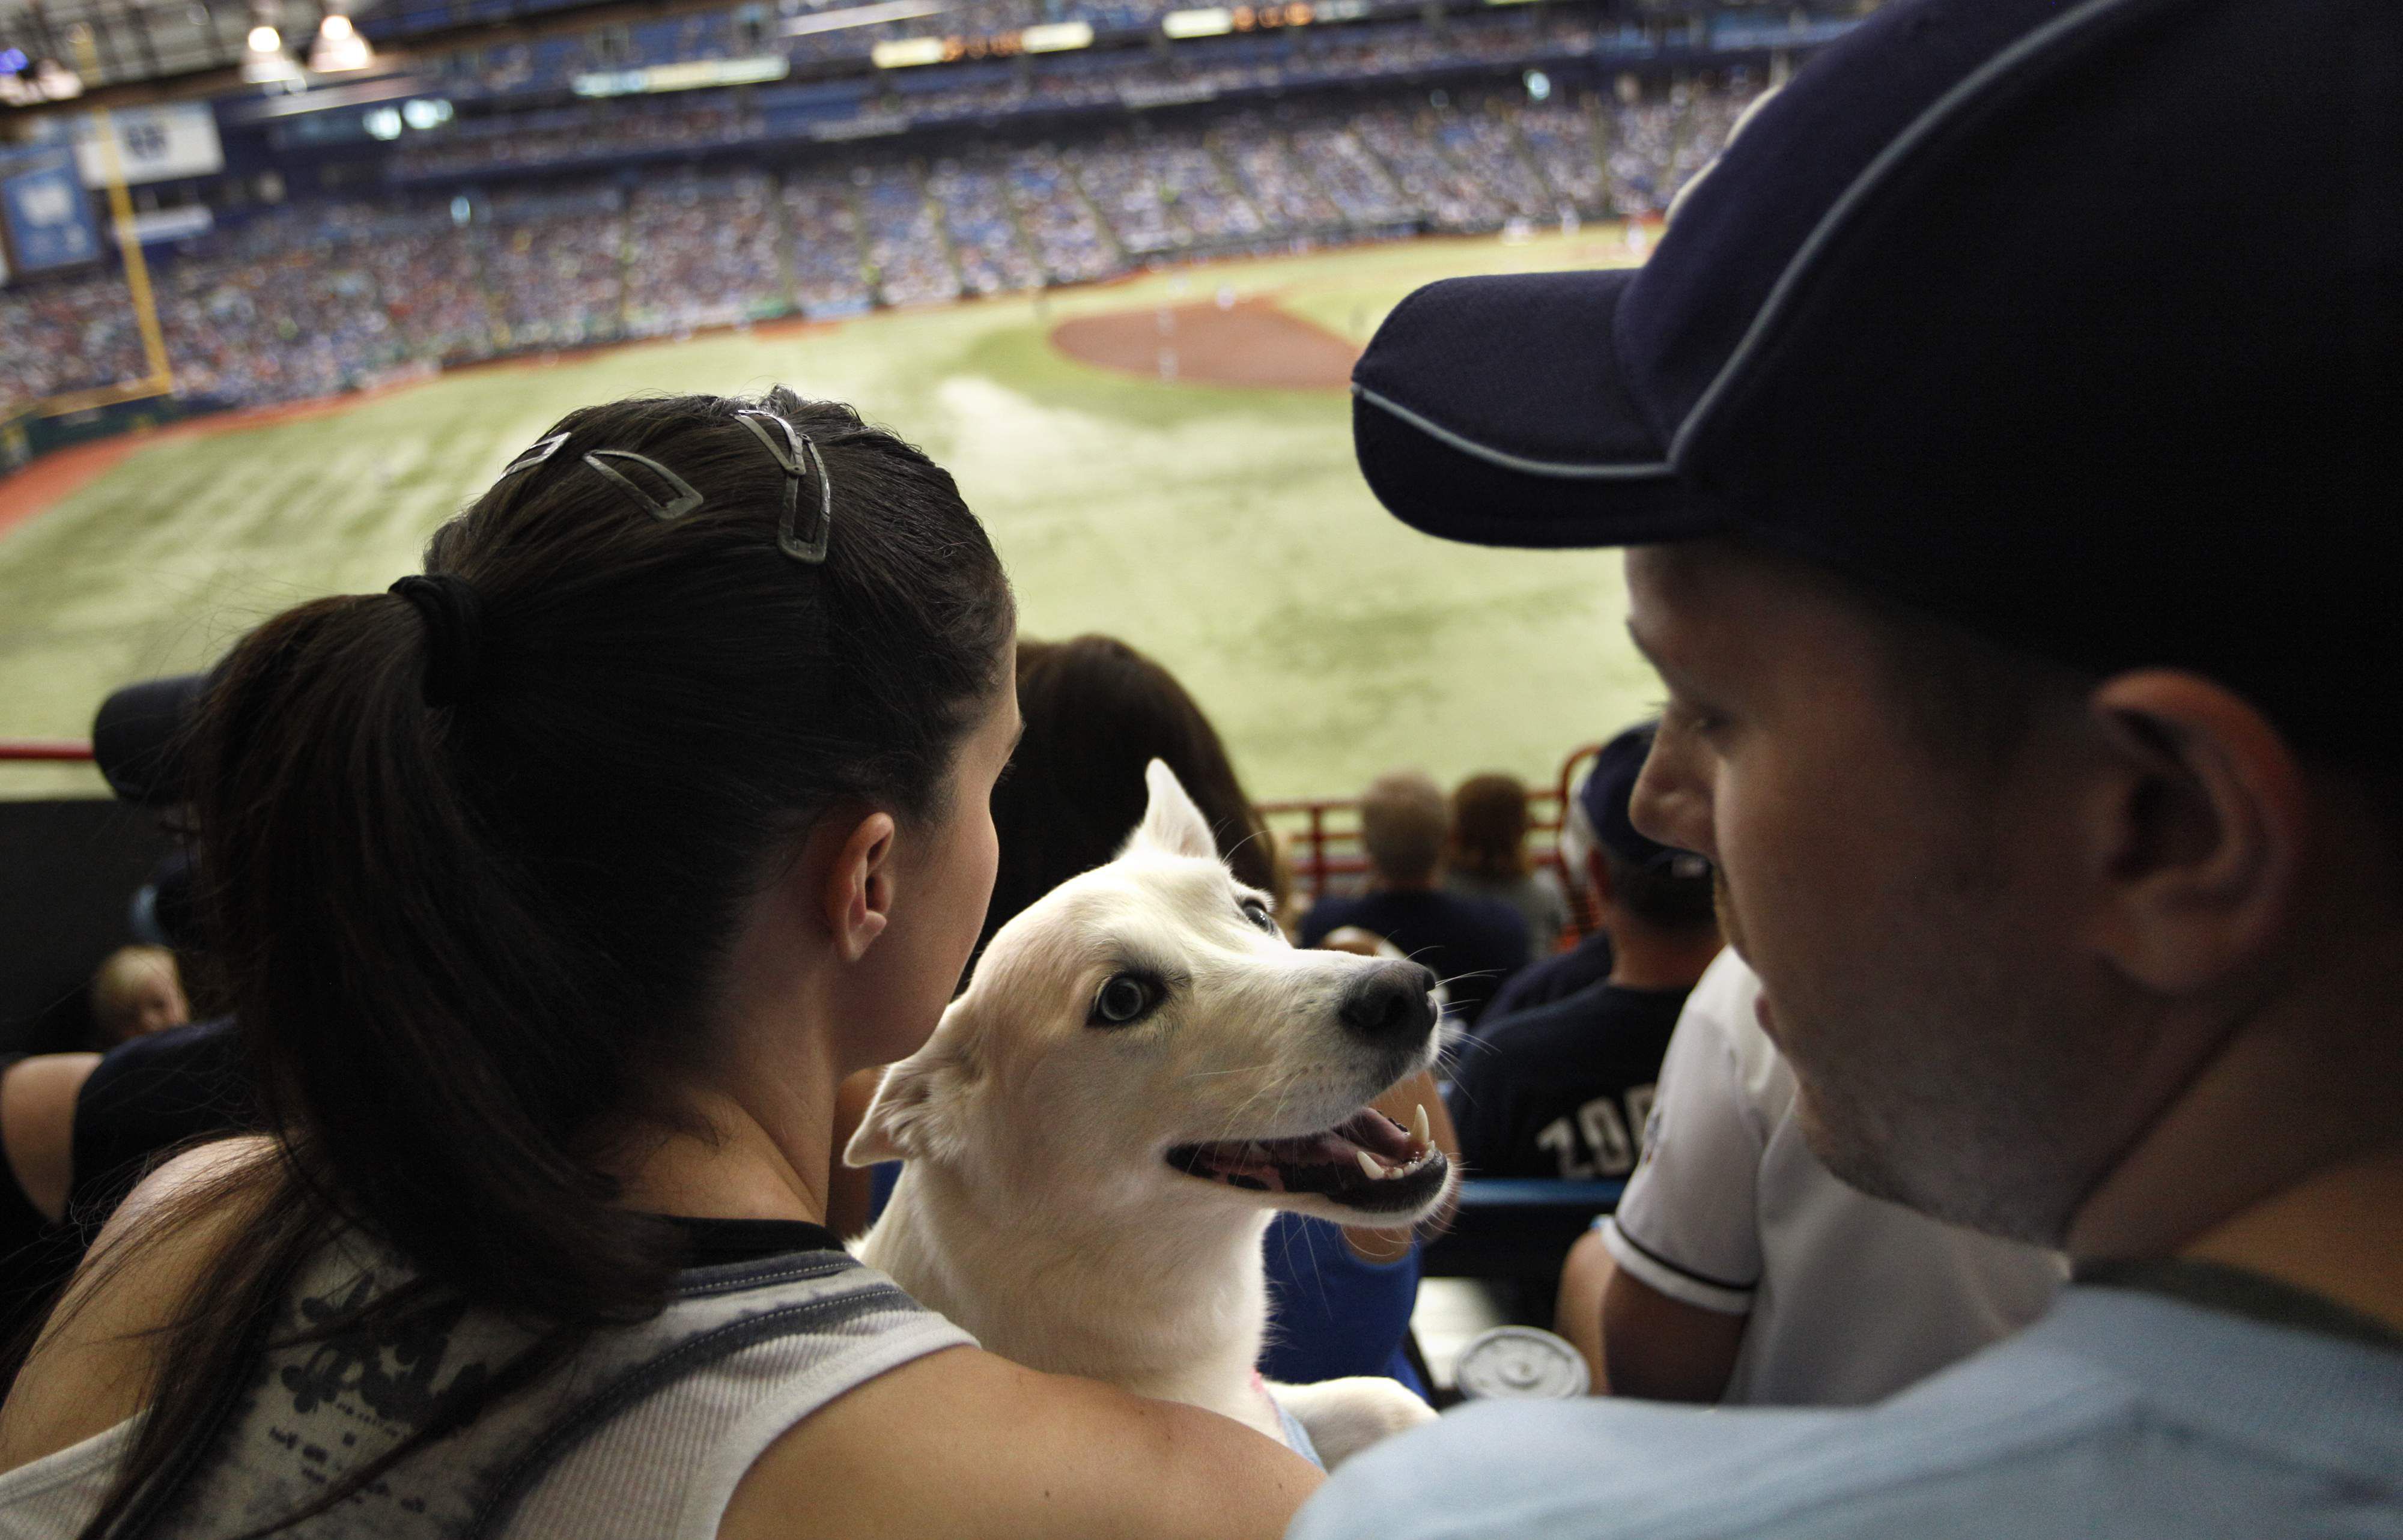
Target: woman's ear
(856, 897)
(2199, 830)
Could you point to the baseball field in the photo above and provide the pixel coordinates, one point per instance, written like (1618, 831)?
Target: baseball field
(1166, 459)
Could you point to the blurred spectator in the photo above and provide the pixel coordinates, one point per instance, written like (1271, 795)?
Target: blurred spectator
(1472, 944)
(38, 1098)
(1563, 1090)
(1739, 1269)
(1487, 857)
(136, 991)
(1552, 978)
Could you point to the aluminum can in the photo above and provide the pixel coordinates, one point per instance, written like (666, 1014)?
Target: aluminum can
(1521, 1363)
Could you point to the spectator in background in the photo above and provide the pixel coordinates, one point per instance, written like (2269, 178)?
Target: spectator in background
(1486, 857)
(1563, 1089)
(38, 1098)
(138, 992)
(1473, 943)
(1096, 712)
(1739, 1269)
(1588, 963)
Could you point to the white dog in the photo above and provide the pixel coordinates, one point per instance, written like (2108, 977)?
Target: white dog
(1141, 1071)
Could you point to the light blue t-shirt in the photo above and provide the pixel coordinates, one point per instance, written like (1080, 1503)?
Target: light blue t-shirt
(2121, 1414)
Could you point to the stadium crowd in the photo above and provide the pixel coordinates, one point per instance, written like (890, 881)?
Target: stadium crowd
(311, 299)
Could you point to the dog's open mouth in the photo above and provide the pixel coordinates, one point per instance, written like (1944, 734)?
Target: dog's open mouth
(1368, 1161)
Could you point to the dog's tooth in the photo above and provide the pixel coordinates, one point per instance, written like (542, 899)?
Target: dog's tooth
(1368, 1166)
(1421, 1130)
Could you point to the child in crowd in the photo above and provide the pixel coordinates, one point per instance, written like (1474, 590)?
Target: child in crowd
(138, 992)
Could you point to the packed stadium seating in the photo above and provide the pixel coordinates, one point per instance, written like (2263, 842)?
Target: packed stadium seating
(312, 298)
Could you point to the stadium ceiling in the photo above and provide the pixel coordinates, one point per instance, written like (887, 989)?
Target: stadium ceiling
(133, 40)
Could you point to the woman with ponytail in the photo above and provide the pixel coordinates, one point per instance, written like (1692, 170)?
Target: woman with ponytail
(556, 890)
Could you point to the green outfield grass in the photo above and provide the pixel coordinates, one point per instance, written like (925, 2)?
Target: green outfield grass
(1224, 531)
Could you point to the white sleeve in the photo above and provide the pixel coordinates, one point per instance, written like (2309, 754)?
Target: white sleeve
(1687, 1224)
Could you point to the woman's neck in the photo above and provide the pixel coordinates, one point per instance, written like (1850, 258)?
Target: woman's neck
(727, 1161)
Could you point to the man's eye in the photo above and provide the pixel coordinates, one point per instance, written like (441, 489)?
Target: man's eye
(1687, 717)
(1259, 914)
(1124, 999)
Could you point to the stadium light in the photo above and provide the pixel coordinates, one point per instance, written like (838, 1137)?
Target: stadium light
(382, 123)
(55, 82)
(264, 62)
(339, 48)
(1057, 37)
(906, 53)
(1208, 21)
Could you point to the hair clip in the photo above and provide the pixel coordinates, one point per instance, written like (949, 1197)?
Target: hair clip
(684, 502)
(534, 456)
(788, 456)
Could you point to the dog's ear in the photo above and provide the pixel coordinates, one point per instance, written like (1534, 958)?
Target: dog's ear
(1172, 823)
(905, 1118)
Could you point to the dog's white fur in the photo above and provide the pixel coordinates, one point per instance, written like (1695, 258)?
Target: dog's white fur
(1037, 1209)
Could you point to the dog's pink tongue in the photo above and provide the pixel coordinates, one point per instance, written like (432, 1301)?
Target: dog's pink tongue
(1265, 1174)
(1368, 1130)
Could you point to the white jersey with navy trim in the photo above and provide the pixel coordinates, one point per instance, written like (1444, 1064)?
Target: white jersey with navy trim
(1850, 1298)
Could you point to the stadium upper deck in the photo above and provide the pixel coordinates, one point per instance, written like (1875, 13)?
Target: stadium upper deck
(317, 297)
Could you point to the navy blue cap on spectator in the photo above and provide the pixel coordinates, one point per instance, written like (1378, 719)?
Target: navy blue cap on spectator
(136, 737)
(1604, 796)
(2076, 322)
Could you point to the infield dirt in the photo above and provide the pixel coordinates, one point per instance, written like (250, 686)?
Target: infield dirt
(1248, 342)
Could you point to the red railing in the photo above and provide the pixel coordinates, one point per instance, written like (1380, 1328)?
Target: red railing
(38, 749)
(1320, 835)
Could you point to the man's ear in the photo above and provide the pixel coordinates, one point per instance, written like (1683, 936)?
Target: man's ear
(1172, 823)
(1597, 874)
(2200, 827)
(856, 896)
(912, 1115)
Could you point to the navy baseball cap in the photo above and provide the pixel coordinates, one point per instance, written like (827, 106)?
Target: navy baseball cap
(2076, 322)
(137, 737)
(1604, 796)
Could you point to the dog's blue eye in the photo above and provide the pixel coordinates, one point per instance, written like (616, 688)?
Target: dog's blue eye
(1125, 999)
(1257, 913)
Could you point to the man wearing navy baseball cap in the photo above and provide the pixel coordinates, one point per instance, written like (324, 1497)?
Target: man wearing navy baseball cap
(2017, 548)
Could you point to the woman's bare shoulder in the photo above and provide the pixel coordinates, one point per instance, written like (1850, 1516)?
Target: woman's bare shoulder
(963, 1443)
(93, 1366)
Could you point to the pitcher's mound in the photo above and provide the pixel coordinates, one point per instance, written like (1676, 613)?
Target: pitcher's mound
(1250, 344)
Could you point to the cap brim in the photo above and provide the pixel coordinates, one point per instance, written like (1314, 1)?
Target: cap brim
(1495, 410)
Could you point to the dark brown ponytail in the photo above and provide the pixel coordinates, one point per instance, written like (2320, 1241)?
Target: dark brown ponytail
(473, 850)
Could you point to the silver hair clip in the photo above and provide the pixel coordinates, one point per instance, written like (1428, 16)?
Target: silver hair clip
(684, 502)
(534, 456)
(788, 456)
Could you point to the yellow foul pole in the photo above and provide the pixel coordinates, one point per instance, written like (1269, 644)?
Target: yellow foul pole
(129, 243)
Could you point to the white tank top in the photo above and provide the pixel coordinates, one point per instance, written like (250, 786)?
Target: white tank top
(642, 1436)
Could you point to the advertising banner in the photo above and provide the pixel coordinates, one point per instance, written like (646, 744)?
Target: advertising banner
(153, 144)
(49, 214)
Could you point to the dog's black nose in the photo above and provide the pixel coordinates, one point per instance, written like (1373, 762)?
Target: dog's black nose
(1387, 1003)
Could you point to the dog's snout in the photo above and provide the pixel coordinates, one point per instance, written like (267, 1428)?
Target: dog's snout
(1389, 1003)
